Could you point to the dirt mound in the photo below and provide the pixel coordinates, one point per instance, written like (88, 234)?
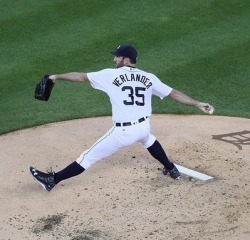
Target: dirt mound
(125, 196)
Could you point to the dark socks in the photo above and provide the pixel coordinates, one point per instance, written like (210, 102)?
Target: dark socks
(75, 169)
(158, 153)
(72, 170)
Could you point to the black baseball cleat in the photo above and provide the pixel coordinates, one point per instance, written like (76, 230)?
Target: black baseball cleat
(45, 179)
(174, 173)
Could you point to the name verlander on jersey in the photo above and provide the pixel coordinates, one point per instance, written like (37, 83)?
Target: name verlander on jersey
(132, 77)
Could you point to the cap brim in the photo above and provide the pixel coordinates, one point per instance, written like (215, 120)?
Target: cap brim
(115, 53)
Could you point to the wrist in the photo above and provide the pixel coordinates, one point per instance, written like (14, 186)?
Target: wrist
(53, 77)
(197, 104)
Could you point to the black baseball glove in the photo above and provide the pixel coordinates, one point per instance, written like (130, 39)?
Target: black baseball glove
(44, 88)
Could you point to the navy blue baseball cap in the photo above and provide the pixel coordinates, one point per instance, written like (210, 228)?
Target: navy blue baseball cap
(126, 50)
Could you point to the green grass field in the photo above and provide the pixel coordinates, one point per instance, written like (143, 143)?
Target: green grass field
(200, 47)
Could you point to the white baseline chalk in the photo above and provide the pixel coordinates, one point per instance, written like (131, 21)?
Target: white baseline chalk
(193, 173)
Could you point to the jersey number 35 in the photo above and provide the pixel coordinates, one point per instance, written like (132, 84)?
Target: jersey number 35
(135, 95)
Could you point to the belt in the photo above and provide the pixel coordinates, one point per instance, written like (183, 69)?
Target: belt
(125, 124)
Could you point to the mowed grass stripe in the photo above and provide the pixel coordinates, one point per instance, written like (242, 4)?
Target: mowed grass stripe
(200, 43)
(186, 43)
(44, 35)
(47, 25)
(224, 74)
(76, 27)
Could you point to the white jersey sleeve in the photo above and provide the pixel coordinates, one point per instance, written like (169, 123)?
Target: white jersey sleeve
(160, 89)
(97, 79)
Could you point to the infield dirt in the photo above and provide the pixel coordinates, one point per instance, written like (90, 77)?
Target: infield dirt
(125, 196)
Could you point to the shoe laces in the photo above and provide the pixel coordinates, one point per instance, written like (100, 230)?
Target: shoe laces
(49, 170)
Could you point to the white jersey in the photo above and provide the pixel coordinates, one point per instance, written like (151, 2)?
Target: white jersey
(130, 91)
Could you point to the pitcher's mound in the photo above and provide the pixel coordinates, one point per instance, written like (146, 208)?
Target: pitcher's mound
(125, 196)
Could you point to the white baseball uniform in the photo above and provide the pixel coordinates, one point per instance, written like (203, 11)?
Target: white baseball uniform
(130, 91)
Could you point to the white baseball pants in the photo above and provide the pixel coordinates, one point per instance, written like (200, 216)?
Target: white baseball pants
(115, 139)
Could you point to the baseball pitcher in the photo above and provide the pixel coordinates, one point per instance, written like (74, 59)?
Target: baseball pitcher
(130, 92)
